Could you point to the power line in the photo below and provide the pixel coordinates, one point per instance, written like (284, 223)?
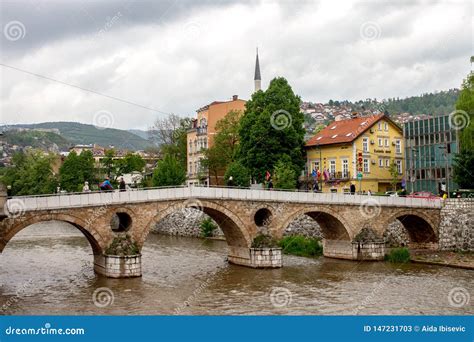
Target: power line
(83, 89)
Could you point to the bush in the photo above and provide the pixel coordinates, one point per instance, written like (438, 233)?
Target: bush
(264, 241)
(301, 246)
(207, 227)
(122, 246)
(240, 175)
(398, 255)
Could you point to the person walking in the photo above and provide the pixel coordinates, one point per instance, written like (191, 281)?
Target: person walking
(270, 184)
(353, 189)
(122, 185)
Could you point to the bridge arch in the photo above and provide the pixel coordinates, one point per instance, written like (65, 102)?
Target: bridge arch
(235, 231)
(333, 226)
(418, 225)
(96, 241)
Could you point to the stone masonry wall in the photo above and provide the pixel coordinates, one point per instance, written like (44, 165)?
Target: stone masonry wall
(184, 222)
(456, 231)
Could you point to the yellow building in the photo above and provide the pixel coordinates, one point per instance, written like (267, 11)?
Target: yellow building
(200, 137)
(361, 146)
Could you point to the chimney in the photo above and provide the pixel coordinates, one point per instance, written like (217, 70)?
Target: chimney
(235, 97)
(354, 115)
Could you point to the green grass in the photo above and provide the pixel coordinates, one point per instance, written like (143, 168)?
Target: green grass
(398, 255)
(207, 228)
(301, 246)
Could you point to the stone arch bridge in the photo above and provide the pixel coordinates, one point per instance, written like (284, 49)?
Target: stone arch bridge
(242, 214)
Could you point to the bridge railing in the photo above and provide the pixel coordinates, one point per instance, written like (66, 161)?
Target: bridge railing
(69, 200)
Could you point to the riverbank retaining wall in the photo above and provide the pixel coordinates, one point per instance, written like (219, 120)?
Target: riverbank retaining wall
(456, 231)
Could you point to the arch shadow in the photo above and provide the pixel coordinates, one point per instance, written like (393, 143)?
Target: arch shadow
(233, 228)
(72, 220)
(419, 228)
(333, 226)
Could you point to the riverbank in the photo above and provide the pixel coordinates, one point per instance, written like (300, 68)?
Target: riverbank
(463, 260)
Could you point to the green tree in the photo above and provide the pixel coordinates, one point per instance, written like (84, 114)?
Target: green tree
(394, 175)
(463, 169)
(465, 103)
(108, 162)
(76, 170)
(31, 174)
(169, 172)
(284, 174)
(170, 134)
(272, 126)
(223, 151)
(131, 162)
(240, 174)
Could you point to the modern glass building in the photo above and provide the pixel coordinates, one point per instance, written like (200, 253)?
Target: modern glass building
(430, 146)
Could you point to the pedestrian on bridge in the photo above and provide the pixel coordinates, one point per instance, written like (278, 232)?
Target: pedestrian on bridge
(122, 185)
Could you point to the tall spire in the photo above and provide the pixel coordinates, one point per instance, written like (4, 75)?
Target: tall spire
(257, 78)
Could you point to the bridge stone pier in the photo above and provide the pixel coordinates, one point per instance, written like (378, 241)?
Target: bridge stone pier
(242, 214)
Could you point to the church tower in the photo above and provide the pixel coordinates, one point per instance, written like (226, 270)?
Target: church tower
(257, 79)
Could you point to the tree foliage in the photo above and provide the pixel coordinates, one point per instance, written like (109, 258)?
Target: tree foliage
(170, 134)
(169, 172)
(463, 169)
(284, 174)
(225, 143)
(465, 103)
(77, 169)
(31, 174)
(272, 126)
(240, 174)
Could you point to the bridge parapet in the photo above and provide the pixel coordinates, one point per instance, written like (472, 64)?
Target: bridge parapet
(74, 200)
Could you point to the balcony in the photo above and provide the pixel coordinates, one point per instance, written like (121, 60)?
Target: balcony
(339, 175)
(201, 130)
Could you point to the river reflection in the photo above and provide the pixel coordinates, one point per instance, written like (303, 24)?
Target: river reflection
(47, 269)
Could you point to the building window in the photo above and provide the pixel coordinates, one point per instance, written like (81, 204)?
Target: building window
(190, 147)
(332, 167)
(365, 145)
(190, 167)
(387, 141)
(380, 142)
(385, 126)
(380, 162)
(387, 162)
(316, 166)
(398, 146)
(366, 166)
(399, 166)
(345, 168)
(380, 126)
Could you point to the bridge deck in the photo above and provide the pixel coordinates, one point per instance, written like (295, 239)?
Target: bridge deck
(74, 200)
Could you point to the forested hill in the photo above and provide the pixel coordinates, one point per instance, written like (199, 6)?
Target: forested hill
(429, 103)
(78, 133)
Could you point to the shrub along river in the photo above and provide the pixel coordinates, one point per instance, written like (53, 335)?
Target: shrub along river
(47, 269)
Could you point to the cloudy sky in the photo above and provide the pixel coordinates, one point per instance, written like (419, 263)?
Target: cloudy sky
(175, 56)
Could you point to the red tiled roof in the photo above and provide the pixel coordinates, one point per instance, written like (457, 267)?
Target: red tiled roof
(343, 131)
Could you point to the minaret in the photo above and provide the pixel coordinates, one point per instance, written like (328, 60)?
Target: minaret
(257, 79)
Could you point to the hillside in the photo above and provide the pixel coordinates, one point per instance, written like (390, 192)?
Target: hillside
(442, 102)
(78, 133)
(37, 139)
